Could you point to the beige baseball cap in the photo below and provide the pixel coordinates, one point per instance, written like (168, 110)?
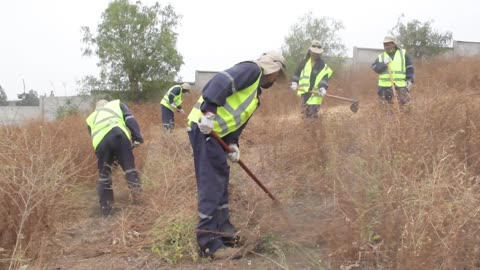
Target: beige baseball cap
(316, 47)
(388, 39)
(186, 86)
(271, 61)
(100, 103)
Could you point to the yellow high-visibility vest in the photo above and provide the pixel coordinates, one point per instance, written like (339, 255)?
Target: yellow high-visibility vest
(102, 120)
(304, 82)
(238, 108)
(398, 69)
(177, 99)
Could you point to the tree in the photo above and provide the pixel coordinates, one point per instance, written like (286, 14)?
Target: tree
(28, 99)
(308, 28)
(135, 44)
(420, 39)
(3, 97)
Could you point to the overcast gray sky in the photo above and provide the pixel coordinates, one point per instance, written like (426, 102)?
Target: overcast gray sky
(41, 39)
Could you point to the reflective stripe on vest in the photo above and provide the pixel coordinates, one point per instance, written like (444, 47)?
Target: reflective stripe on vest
(238, 108)
(397, 67)
(315, 99)
(102, 120)
(177, 99)
(304, 82)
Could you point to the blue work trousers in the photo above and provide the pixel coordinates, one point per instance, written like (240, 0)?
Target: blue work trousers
(212, 173)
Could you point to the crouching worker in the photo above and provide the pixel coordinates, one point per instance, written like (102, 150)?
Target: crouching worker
(114, 132)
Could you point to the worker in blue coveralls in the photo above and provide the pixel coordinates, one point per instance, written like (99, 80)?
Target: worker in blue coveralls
(172, 101)
(227, 102)
(114, 132)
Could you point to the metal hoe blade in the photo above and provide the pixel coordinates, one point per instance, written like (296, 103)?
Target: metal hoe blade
(354, 107)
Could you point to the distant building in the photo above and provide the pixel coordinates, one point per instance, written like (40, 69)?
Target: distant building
(466, 48)
(202, 77)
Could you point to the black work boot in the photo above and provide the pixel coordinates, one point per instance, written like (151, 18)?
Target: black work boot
(232, 241)
(223, 253)
(106, 209)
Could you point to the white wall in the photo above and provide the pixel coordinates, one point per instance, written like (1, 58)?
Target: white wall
(47, 110)
(202, 77)
(466, 48)
(10, 115)
(364, 57)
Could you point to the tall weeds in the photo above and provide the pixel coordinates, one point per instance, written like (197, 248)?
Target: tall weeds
(374, 190)
(39, 164)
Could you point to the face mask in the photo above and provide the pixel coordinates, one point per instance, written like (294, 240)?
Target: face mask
(266, 85)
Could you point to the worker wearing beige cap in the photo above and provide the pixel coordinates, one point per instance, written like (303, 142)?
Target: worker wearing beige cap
(310, 80)
(227, 102)
(172, 101)
(394, 65)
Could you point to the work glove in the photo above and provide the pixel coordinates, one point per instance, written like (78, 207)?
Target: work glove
(294, 86)
(409, 85)
(235, 155)
(181, 111)
(387, 60)
(323, 91)
(205, 124)
(173, 105)
(135, 144)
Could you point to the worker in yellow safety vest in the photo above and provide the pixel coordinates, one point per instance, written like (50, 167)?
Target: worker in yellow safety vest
(227, 102)
(172, 101)
(114, 132)
(394, 65)
(310, 80)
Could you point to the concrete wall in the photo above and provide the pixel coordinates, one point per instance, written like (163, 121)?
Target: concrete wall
(466, 48)
(11, 115)
(84, 104)
(363, 57)
(47, 110)
(202, 77)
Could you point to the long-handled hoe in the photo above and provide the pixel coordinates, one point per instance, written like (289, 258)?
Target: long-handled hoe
(394, 89)
(244, 167)
(355, 103)
(276, 203)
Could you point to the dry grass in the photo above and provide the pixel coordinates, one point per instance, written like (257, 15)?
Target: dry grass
(39, 163)
(372, 190)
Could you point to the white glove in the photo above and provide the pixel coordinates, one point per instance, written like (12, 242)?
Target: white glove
(135, 144)
(323, 91)
(294, 86)
(387, 60)
(409, 85)
(205, 124)
(173, 105)
(181, 111)
(235, 155)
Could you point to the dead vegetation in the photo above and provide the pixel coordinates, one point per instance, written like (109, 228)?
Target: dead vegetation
(372, 190)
